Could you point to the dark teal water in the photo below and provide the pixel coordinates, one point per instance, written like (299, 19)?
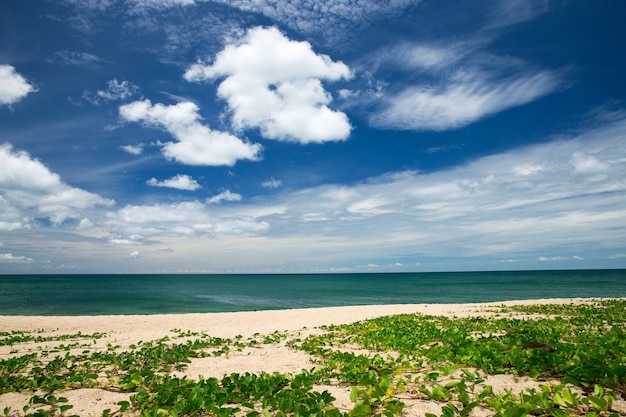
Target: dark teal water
(168, 294)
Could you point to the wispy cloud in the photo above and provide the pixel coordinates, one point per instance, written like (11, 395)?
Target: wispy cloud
(179, 182)
(446, 84)
(275, 84)
(133, 149)
(466, 97)
(77, 59)
(136, 223)
(272, 183)
(196, 144)
(114, 91)
(512, 12)
(226, 195)
(13, 86)
(331, 21)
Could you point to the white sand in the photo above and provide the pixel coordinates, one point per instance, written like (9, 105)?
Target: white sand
(126, 330)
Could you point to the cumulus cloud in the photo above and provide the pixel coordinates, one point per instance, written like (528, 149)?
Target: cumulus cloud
(8, 257)
(275, 84)
(196, 143)
(224, 196)
(13, 86)
(468, 96)
(134, 255)
(180, 182)
(29, 191)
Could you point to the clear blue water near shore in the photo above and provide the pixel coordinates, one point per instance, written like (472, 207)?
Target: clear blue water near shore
(169, 294)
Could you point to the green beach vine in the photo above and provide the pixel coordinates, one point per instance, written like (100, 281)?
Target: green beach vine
(575, 354)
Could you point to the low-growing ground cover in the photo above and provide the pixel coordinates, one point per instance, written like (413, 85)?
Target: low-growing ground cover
(575, 355)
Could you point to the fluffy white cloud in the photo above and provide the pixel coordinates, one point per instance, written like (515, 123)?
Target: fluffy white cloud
(13, 87)
(196, 143)
(224, 196)
(275, 84)
(29, 191)
(180, 182)
(468, 96)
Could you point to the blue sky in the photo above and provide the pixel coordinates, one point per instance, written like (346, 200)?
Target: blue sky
(311, 136)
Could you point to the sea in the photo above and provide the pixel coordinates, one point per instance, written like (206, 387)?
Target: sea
(185, 293)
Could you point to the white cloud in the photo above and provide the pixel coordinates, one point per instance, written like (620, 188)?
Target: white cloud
(330, 20)
(419, 56)
(134, 224)
(13, 86)
(272, 183)
(115, 91)
(468, 96)
(77, 59)
(587, 164)
(275, 84)
(29, 191)
(554, 258)
(513, 205)
(224, 196)
(512, 12)
(196, 143)
(8, 257)
(180, 182)
(133, 149)
(134, 255)
(118, 90)
(160, 4)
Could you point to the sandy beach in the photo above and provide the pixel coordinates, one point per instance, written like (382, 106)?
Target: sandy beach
(124, 331)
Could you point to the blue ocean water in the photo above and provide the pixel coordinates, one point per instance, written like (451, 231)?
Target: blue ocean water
(168, 294)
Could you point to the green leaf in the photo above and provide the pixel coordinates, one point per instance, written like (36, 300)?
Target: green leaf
(452, 384)
(360, 410)
(514, 411)
(354, 394)
(556, 412)
(123, 405)
(598, 403)
(558, 400)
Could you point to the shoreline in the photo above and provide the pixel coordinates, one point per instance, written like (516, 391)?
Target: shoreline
(246, 323)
